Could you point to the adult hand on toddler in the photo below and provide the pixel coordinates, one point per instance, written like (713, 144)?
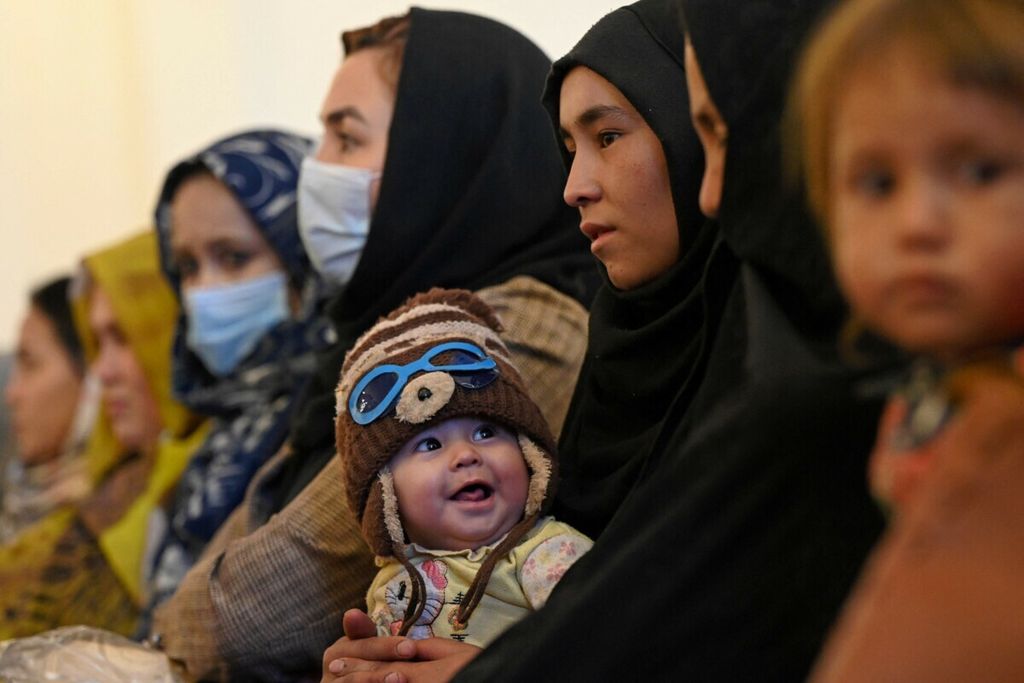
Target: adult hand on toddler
(940, 598)
(989, 400)
(895, 472)
(363, 657)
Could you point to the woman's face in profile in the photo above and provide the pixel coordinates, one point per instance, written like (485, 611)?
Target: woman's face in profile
(618, 180)
(214, 241)
(128, 399)
(356, 115)
(43, 390)
(712, 131)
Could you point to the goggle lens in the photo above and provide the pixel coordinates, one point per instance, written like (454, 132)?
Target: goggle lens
(378, 390)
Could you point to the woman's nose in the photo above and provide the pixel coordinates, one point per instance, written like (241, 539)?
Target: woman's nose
(581, 187)
(105, 366)
(710, 198)
(11, 390)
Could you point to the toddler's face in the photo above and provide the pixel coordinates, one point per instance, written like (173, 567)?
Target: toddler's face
(461, 483)
(927, 207)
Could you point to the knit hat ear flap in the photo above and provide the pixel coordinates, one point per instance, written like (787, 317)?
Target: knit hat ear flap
(381, 524)
(542, 476)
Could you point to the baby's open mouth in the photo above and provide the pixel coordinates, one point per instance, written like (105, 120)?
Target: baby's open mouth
(474, 492)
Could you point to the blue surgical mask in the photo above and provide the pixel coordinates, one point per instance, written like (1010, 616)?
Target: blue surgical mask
(226, 322)
(334, 216)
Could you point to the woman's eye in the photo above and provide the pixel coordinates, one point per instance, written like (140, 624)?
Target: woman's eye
(233, 259)
(428, 444)
(186, 267)
(606, 138)
(347, 142)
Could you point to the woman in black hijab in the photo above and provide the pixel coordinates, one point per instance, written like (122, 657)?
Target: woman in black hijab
(744, 520)
(647, 344)
(466, 199)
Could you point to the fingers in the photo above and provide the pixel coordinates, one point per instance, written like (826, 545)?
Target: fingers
(445, 648)
(357, 624)
(346, 656)
(350, 676)
(362, 671)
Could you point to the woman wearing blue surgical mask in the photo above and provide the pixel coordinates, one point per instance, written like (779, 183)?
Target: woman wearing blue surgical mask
(230, 246)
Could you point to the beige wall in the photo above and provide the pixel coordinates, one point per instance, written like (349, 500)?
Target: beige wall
(99, 98)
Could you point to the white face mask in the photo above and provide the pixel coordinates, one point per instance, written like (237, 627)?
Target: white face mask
(334, 216)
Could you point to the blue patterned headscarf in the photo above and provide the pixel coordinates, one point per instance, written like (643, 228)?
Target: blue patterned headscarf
(261, 168)
(252, 406)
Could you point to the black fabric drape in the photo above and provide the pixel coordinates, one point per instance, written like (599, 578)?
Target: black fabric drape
(470, 197)
(750, 517)
(646, 346)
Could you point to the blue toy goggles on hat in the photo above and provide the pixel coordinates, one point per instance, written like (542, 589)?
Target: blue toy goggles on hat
(378, 390)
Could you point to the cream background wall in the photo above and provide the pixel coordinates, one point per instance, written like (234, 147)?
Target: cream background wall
(99, 98)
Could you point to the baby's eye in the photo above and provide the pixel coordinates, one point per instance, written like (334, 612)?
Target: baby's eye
(874, 183)
(606, 138)
(980, 172)
(484, 431)
(428, 444)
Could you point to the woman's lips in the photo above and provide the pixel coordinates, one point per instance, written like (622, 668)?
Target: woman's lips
(596, 233)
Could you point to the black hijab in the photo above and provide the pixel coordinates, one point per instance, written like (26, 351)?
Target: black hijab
(645, 344)
(746, 51)
(470, 197)
(729, 558)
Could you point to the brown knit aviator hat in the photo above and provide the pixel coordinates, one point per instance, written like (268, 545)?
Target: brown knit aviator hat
(436, 357)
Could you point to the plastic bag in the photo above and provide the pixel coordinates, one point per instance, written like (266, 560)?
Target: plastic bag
(81, 654)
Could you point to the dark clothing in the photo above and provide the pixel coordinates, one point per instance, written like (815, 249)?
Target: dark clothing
(748, 518)
(647, 346)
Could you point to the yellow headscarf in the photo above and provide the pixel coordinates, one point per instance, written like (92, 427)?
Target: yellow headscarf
(82, 564)
(147, 311)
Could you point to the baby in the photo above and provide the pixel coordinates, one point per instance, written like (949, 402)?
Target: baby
(449, 468)
(910, 119)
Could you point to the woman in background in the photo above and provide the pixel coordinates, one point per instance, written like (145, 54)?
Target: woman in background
(53, 406)
(83, 563)
(250, 322)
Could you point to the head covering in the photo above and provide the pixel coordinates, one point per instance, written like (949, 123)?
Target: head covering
(81, 564)
(646, 347)
(252, 406)
(261, 168)
(746, 52)
(31, 491)
(750, 518)
(146, 311)
(403, 337)
(471, 196)
(54, 300)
